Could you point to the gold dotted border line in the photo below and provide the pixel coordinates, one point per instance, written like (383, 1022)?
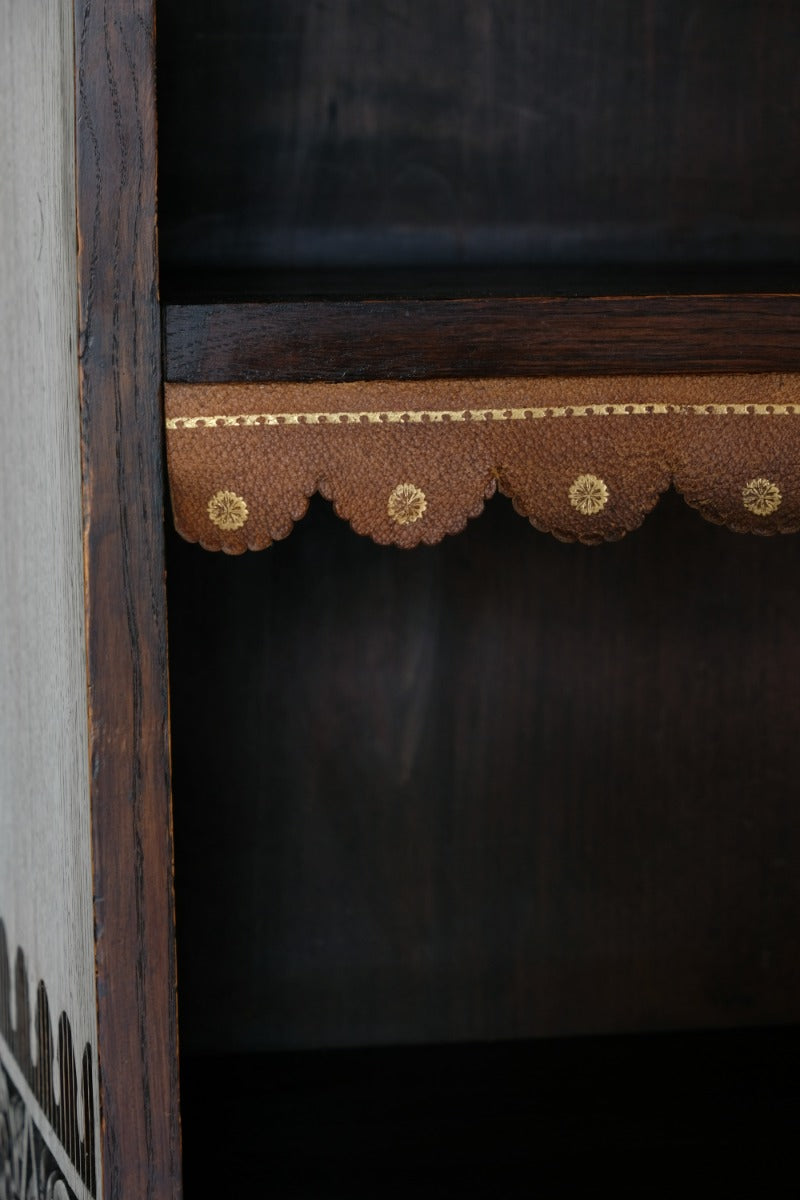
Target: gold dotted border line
(444, 416)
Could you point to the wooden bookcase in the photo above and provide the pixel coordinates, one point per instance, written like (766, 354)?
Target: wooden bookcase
(500, 788)
(450, 823)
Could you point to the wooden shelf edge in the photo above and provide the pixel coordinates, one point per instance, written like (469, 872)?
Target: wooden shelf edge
(493, 336)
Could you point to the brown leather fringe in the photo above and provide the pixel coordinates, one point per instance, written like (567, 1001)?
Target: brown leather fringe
(408, 462)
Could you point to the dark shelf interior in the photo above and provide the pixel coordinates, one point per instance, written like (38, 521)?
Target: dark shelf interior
(487, 152)
(497, 1120)
(190, 285)
(477, 133)
(437, 813)
(501, 788)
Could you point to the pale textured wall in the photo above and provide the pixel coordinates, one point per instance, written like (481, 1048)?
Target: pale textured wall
(45, 852)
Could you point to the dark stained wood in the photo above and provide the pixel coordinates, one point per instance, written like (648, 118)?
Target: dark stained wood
(199, 285)
(477, 135)
(487, 1120)
(122, 479)
(491, 336)
(478, 131)
(501, 787)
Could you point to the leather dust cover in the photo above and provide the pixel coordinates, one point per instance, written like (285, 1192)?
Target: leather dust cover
(406, 462)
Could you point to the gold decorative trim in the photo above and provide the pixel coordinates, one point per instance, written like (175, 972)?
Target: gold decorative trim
(407, 504)
(761, 496)
(227, 510)
(444, 416)
(588, 494)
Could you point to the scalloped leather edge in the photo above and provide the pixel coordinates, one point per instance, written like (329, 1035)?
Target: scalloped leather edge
(407, 463)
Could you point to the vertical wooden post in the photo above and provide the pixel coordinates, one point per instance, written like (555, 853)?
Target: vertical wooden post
(120, 379)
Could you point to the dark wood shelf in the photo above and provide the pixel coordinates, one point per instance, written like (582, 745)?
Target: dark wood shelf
(182, 284)
(227, 327)
(494, 1119)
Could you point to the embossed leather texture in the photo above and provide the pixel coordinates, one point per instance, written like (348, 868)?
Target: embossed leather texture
(408, 462)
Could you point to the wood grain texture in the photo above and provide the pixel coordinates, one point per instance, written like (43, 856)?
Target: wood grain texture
(45, 841)
(121, 425)
(500, 787)
(478, 131)
(437, 338)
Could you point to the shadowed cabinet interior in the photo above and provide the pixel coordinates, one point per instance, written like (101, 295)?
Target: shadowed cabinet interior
(484, 796)
(500, 787)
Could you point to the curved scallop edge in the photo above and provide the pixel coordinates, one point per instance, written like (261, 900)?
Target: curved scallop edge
(580, 472)
(588, 536)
